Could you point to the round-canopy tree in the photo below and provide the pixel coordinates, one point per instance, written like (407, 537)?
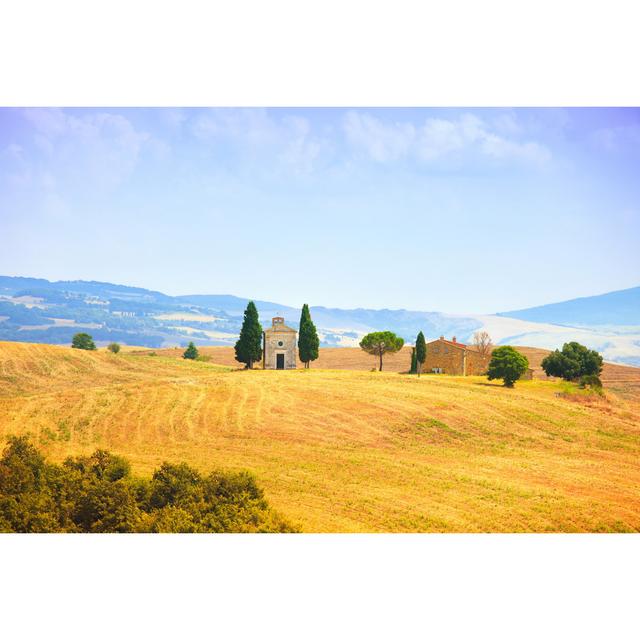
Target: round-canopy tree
(249, 345)
(83, 341)
(573, 362)
(308, 341)
(380, 342)
(507, 364)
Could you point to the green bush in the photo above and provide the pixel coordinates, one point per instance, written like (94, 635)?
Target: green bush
(592, 381)
(114, 347)
(98, 494)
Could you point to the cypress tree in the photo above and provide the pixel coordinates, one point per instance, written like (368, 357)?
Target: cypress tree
(421, 351)
(249, 345)
(414, 361)
(308, 341)
(191, 352)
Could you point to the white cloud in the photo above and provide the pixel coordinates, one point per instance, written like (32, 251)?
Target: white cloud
(102, 147)
(436, 138)
(289, 140)
(383, 142)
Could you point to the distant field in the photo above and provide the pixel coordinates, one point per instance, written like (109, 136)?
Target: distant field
(339, 450)
(357, 359)
(330, 358)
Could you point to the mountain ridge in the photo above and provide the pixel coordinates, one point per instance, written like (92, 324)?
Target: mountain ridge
(37, 310)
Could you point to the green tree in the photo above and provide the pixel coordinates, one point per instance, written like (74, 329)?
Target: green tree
(380, 342)
(308, 341)
(114, 347)
(507, 364)
(83, 341)
(414, 361)
(421, 351)
(249, 345)
(573, 362)
(191, 353)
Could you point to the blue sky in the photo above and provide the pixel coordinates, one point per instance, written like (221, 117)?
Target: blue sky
(455, 210)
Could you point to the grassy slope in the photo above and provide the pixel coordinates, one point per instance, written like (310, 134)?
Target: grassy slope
(346, 450)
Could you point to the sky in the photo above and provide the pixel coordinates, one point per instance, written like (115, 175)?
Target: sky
(453, 210)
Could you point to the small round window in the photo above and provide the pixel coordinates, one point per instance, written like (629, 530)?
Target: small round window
(280, 343)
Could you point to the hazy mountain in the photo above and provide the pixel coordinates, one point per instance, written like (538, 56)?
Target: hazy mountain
(36, 310)
(615, 308)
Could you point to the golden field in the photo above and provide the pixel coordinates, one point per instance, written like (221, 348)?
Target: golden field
(348, 450)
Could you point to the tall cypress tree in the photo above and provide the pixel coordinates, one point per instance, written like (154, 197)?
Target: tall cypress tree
(249, 345)
(421, 351)
(414, 361)
(308, 341)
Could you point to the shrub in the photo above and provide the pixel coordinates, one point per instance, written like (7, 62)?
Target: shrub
(114, 347)
(83, 341)
(507, 364)
(592, 381)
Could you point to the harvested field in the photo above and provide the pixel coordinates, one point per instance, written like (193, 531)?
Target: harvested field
(339, 450)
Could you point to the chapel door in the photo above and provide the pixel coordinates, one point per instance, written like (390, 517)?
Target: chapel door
(279, 360)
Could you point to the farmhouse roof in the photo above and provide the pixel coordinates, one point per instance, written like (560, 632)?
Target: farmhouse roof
(451, 343)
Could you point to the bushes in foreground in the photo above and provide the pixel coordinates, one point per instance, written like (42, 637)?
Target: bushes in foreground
(98, 494)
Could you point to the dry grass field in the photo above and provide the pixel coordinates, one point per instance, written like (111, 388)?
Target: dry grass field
(330, 358)
(347, 450)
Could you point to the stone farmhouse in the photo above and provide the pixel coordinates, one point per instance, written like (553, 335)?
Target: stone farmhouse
(279, 346)
(454, 358)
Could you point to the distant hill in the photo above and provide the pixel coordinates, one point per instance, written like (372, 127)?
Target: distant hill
(37, 310)
(615, 308)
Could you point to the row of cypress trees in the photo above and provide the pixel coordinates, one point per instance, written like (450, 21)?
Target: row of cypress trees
(249, 345)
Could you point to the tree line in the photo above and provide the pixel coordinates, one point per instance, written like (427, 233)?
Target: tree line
(574, 362)
(98, 494)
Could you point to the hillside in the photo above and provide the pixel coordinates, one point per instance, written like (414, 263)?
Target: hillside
(614, 308)
(347, 358)
(347, 450)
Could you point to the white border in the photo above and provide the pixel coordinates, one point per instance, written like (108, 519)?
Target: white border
(292, 53)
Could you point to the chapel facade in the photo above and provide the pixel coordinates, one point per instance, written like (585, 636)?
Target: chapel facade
(279, 346)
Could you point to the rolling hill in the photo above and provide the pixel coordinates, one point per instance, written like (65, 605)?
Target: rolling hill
(36, 310)
(347, 450)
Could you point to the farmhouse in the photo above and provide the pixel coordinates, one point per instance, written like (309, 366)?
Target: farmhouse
(279, 346)
(453, 357)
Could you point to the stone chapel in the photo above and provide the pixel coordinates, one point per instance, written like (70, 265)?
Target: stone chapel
(279, 346)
